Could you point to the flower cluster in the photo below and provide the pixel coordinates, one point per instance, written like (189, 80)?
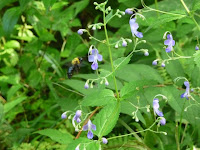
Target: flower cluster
(186, 94)
(156, 111)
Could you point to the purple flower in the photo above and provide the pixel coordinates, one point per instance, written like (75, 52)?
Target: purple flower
(86, 86)
(163, 121)
(89, 126)
(146, 53)
(106, 83)
(77, 116)
(134, 26)
(104, 140)
(80, 31)
(155, 62)
(187, 91)
(156, 107)
(63, 116)
(129, 11)
(196, 47)
(94, 57)
(169, 42)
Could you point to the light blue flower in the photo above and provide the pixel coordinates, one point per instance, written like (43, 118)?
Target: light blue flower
(196, 47)
(169, 43)
(104, 140)
(163, 121)
(64, 115)
(187, 91)
(134, 26)
(80, 31)
(94, 57)
(156, 107)
(129, 11)
(89, 126)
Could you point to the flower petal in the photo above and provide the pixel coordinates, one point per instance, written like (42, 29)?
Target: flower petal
(94, 66)
(85, 127)
(93, 127)
(167, 42)
(139, 34)
(99, 57)
(173, 42)
(90, 135)
(132, 21)
(168, 49)
(94, 51)
(91, 58)
(159, 113)
(163, 121)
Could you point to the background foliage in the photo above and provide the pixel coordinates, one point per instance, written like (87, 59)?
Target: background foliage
(38, 40)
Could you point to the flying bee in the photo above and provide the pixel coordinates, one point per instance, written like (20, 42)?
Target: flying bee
(75, 66)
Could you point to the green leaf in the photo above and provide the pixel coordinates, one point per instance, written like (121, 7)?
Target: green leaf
(23, 4)
(1, 112)
(106, 119)
(10, 105)
(134, 72)
(121, 62)
(12, 79)
(13, 90)
(79, 6)
(10, 18)
(3, 3)
(131, 87)
(98, 98)
(109, 15)
(197, 58)
(48, 3)
(55, 135)
(76, 142)
(12, 59)
(12, 44)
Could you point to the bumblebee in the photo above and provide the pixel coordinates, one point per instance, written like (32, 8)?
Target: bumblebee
(75, 66)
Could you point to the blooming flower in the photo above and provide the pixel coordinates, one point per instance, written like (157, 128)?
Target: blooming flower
(169, 42)
(155, 62)
(104, 140)
(94, 57)
(77, 116)
(156, 107)
(63, 116)
(80, 31)
(163, 121)
(134, 26)
(129, 11)
(89, 126)
(187, 91)
(196, 47)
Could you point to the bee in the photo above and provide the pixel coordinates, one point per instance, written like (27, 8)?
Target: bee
(75, 66)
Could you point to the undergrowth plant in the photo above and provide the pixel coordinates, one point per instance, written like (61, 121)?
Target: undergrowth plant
(83, 75)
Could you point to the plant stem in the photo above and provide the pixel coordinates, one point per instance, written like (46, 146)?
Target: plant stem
(110, 54)
(189, 13)
(176, 137)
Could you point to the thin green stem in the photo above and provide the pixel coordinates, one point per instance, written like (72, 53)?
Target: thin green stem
(189, 13)
(156, 4)
(110, 54)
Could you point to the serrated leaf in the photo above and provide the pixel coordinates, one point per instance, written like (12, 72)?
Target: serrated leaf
(121, 62)
(197, 58)
(106, 119)
(130, 88)
(10, 18)
(55, 135)
(10, 105)
(98, 98)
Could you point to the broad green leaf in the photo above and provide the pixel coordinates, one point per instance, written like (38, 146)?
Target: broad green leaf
(121, 62)
(55, 135)
(12, 59)
(10, 18)
(24, 3)
(12, 44)
(34, 78)
(10, 105)
(131, 87)
(98, 98)
(3, 3)
(197, 58)
(48, 3)
(135, 72)
(79, 6)
(106, 119)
